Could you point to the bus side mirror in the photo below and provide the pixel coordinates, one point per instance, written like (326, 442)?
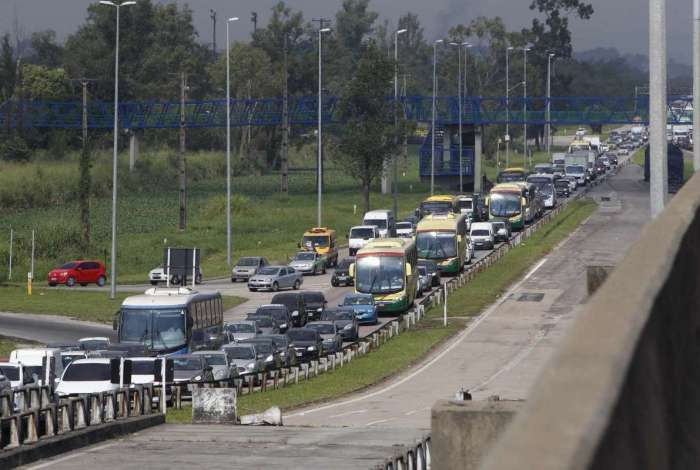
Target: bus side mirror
(351, 270)
(190, 323)
(409, 270)
(116, 319)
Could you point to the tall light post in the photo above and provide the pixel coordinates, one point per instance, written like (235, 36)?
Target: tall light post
(395, 162)
(432, 137)
(548, 127)
(525, 51)
(507, 137)
(319, 175)
(696, 85)
(658, 113)
(228, 142)
(113, 277)
(460, 99)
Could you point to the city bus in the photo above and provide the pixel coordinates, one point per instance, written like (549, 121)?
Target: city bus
(443, 238)
(169, 321)
(439, 205)
(387, 269)
(507, 201)
(512, 175)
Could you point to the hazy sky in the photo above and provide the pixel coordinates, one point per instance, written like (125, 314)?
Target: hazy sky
(619, 23)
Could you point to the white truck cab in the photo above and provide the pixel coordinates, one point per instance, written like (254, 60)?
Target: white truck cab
(45, 363)
(360, 235)
(384, 220)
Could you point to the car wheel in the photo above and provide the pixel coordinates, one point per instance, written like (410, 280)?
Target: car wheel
(198, 279)
(297, 284)
(233, 279)
(154, 283)
(323, 271)
(334, 284)
(101, 281)
(70, 282)
(52, 284)
(83, 284)
(251, 289)
(275, 287)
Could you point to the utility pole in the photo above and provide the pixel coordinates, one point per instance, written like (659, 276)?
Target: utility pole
(319, 164)
(395, 157)
(525, 154)
(548, 125)
(284, 164)
(181, 157)
(212, 14)
(85, 183)
(696, 85)
(254, 19)
(658, 162)
(507, 136)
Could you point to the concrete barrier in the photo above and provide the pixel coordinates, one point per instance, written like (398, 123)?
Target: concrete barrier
(214, 406)
(622, 390)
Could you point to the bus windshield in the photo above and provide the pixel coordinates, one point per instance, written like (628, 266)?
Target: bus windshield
(510, 176)
(380, 274)
(436, 245)
(465, 204)
(505, 204)
(436, 207)
(156, 329)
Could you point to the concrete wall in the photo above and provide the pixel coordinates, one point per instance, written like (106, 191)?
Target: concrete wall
(623, 390)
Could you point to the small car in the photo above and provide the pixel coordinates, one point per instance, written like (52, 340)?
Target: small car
(244, 357)
(16, 374)
(330, 335)
(307, 343)
(314, 303)
(191, 368)
(562, 187)
(285, 351)
(247, 267)
(81, 272)
(279, 312)
(267, 351)
(424, 279)
(295, 306)
(364, 307)
(433, 271)
(501, 230)
(86, 376)
(341, 275)
(240, 330)
(345, 319)
(309, 262)
(265, 325)
(159, 274)
(405, 229)
(219, 363)
(275, 278)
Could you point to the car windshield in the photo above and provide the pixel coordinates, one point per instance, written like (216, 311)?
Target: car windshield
(239, 328)
(337, 315)
(322, 240)
(142, 367)
(67, 359)
(345, 263)
(436, 245)
(187, 363)
(358, 300)
(364, 233)
(94, 344)
(269, 271)
(305, 256)
(379, 223)
(301, 335)
(505, 204)
(263, 347)
(156, 329)
(247, 262)
(546, 189)
(404, 225)
(264, 322)
(322, 328)
(480, 233)
(510, 176)
(422, 271)
(498, 225)
(465, 204)
(215, 359)
(240, 353)
(315, 297)
(380, 274)
(11, 372)
(89, 372)
(574, 169)
(562, 184)
(68, 265)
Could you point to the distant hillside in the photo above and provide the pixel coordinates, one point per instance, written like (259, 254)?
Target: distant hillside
(676, 70)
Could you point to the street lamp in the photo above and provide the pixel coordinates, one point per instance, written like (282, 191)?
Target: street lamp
(459, 98)
(395, 189)
(228, 142)
(432, 137)
(525, 51)
(548, 128)
(320, 122)
(507, 137)
(113, 282)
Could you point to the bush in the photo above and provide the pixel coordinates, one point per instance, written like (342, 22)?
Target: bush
(14, 149)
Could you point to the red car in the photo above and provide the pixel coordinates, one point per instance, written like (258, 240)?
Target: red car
(81, 272)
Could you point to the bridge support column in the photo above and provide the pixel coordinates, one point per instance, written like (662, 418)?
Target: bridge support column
(133, 149)
(477, 160)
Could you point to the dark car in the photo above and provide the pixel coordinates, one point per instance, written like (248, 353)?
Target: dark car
(562, 188)
(433, 271)
(341, 275)
(191, 368)
(266, 325)
(295, 305)
(285, 351)
(314, 302)
(278, 312)
(346, 320)
(330, 335)
(266, 350)
(306, 342)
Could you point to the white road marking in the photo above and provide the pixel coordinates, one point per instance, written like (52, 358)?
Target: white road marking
(379, 421)
(71, 456)
(449, 348)
(409, 413)
(349, 413)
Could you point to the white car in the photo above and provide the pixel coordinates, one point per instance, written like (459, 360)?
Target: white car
(482, 235)
(359, 236)
(405, 229)
(158, 275)
(86, 376)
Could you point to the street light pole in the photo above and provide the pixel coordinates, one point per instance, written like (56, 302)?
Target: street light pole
(525, 51)
(432, 137)
(319, 175)
(507, 137)
(228, 143)
(395, 188)
(460, 100)
(696, 85)
(658, 115)
(548, 127)
(113, 277)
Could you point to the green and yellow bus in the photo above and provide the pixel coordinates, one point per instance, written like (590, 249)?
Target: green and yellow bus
(511, 175)
(508, 201)
(443, 238)
(387, 269)
(439, 204)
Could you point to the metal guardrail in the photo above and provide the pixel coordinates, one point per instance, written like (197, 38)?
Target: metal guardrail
(414, 457)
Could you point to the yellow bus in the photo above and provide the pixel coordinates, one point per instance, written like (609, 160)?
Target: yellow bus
(507, 201)
(443, 238)
(511, 175)
(439, 204)
(387, 269)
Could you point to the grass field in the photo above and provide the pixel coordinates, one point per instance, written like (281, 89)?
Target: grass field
(6, 347)
(82, 305)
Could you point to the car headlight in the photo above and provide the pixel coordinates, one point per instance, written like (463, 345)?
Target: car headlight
(311, 348)
(250, 366)
(197, 378)
(269, 358)
(283, 325)
(295, 313)
(348, 326)
(219, 373)
(320, 309)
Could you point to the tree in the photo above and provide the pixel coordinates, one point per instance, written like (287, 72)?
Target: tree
(43, 83)
(553, 34)
(7, 69)
(366, 140)
(45, 49)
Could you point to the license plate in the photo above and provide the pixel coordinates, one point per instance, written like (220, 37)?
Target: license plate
(300, 354)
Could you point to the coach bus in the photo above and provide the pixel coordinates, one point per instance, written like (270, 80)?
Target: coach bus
(169, 321)
(443, 238)
(508, 201)
(387, 269)
(439, 204)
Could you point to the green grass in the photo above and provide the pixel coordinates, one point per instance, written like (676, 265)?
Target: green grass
(82, 305)
(6, 347)
(491, 283)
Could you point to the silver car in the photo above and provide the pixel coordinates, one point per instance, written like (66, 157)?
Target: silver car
(247, 267)
(240, 330)
(220, 365)
(330, 335)
(424, 279)
(309, 262)
(244, 357)
(275, 278)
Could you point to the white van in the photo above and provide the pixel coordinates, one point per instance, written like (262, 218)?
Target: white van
(384, 220)
(360, 235)
(482, 236)
(34, 359)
